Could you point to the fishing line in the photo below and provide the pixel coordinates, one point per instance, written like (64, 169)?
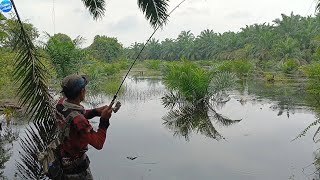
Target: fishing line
(116, 94)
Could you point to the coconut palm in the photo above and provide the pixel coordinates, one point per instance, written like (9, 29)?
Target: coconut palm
(33, 92)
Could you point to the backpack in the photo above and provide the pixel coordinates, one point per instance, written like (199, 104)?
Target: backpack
(50, 158)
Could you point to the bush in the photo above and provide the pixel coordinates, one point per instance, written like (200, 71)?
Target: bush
(290, 66)
(240, 67)
(188, 79)
(153, 64)
(312, 71)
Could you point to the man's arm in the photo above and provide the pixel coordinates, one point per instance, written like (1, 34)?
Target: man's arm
(97, 139)
(91, 113)
(94, 138)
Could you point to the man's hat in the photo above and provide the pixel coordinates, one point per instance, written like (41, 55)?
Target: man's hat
(74, 83)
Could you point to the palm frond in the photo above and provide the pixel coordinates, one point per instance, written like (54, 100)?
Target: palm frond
(36, 140)
(179, 121)
(34, 94)
(222, 81)
(95, 7)
(220, 119)
(191, 118)
(156, 11)
(304, 132)
(31, 73)
(171, 99)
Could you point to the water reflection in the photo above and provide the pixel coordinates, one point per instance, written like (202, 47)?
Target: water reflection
(240, 158)
(7, 136)
(135, 90)
(289, 96)
(186, 117)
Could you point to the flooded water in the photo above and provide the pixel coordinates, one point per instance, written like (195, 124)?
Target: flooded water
(259, 147)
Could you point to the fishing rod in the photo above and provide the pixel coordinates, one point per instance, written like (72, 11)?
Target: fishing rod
(156, 29)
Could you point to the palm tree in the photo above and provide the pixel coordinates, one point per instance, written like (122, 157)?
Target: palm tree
(33, 91)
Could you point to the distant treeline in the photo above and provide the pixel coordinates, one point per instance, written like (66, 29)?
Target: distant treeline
(291, 37)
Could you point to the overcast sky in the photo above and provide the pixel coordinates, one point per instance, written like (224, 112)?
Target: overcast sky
(125, 21)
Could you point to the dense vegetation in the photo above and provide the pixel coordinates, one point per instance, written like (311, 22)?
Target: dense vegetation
(289, 37)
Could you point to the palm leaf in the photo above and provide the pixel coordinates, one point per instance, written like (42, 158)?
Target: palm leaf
(222, 81)
(156, 11)
(304, 132)
(33, 93)
(37, 137)
(95, 7)
(188, 118)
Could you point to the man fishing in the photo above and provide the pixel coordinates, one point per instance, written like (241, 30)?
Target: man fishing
(73, 119)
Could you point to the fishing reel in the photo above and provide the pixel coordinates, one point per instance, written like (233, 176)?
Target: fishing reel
(116, 107)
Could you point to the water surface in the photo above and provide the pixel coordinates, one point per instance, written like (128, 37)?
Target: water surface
(258, 147)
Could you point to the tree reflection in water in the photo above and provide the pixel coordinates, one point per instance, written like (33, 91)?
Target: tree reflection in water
(186, 117)
(7, 136)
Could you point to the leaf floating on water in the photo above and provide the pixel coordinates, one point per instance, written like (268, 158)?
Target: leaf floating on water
(132, 158)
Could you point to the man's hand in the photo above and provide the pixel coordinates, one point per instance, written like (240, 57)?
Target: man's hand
(106, 112)
(100, 109)
(115, 109)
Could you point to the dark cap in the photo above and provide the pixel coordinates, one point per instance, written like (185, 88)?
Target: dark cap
(74, 83)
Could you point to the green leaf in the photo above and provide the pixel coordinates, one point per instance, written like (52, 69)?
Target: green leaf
(156, 11)
(95, 7)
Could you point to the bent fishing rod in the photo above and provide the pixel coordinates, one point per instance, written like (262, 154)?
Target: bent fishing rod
(155, 30)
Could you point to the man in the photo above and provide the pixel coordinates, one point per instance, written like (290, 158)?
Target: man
(78, 133)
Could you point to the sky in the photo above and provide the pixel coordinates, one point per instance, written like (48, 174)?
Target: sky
(124, 20)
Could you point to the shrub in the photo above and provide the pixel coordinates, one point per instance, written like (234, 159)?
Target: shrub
(153, 64)
(289, 66)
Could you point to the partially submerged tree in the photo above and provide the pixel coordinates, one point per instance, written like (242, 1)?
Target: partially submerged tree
(193, 98)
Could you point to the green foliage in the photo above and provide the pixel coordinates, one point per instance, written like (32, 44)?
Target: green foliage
(105, 48)
(95, 7)
(269, 76)
(267, 65)
(153, 64)
(64, 54)
(155, 11)
(290, 66)
(10, 32)
(195, 83)
(7, 88)
(290, 37)
(240, 67)
(313, 73)
(188, 79)
(123, 64)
